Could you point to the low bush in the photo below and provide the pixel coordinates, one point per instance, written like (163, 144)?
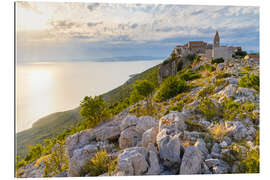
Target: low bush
(170, 87)
(206, 91)
(190, 75)
(250, 81)
(208, 67)
(230, 109)
(56, 162)
(209, 109)
(217, 61)
(251, 163)
(221, 75)
(100, 163)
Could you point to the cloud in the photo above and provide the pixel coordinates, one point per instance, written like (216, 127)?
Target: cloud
(27, 5)
(197, 12)
(93, 6)
(91, 24)
(63, 24)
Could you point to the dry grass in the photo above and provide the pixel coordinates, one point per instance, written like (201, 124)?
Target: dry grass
(219, 131)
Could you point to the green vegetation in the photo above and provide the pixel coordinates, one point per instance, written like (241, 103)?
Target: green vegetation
(208, 67)
(191, 57)
(101, 163)
(217, 61)
(209, 109)
(206, 91)
(94, 111)
(230, 109)
(57, 161)
(250, 81)
(190, 75)
(240, 53)
(144, 88)
(170, 87)
(47, 127)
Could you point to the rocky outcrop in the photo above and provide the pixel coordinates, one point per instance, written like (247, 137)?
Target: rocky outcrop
(133, 161)
(132, 129)
(192, 161)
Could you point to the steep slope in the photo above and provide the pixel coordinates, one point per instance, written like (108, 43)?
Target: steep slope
(57, 123)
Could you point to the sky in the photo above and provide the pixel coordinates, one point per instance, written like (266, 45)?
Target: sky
(47, 31)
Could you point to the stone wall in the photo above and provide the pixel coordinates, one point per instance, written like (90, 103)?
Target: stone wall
(224, 52)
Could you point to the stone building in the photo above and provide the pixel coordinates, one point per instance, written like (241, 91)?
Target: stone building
(206, 50)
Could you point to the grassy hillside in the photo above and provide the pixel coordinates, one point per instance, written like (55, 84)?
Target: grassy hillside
(47, 127)
(57, 123)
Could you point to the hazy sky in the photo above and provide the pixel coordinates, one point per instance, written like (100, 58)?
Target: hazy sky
(81, 31)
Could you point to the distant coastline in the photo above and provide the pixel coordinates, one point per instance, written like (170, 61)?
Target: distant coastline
(101, 59)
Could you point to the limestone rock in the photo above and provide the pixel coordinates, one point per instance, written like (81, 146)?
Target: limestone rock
(192, 161)
(149, 136)
(169, 146)
(133, 161)
(80, 158)
(129, 138)
(154, 167)
(128, 122)
(78, 140)
(172, 120)
(200, 144)
(144, 123)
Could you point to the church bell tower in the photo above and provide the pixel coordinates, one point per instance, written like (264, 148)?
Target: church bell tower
(216, 40)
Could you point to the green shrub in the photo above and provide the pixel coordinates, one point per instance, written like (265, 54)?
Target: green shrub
(250, 81)
(191, 57)
(230, 109)
(57, 161)
(178, 107)
(94, 110)
(206, 91)
(208, 67)
(20, 164)
(208, 109)
(217, 61)
(190, 75)
(34, 153)
(179, 65)
(101, 163)
(221, 75)
(170, 87)
(251, 164)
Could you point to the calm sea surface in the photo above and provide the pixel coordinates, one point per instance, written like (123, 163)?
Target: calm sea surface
(45, 88)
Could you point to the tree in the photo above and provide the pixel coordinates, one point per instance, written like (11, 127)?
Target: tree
(94, 110)
(170, 87)
(143, 88)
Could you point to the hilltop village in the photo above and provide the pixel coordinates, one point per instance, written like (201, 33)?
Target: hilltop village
(195, 113)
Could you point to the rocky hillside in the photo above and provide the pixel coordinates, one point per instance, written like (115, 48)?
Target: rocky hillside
(209, 127)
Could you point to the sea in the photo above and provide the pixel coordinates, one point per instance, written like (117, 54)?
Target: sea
(43, 88)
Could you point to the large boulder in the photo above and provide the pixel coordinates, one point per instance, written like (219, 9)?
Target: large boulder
(169, 146)
(129, 138)
(192, 161)
(149, 136)
(154, 167)
(133, 128)
(128, 122)
(145, 123)
(80, 158)
(173, 120)
(79, 140)
(133, 161)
